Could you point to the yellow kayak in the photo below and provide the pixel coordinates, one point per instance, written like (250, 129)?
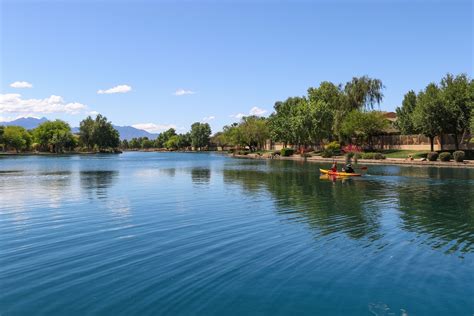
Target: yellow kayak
(340, 174)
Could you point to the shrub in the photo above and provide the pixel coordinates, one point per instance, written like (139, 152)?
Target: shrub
(377, 156)
(333, 146)
(352, 148)
(231, 151)
(432, 156)
(327, 153)
(459, 156)
(286, 152)
(445, 156)
(243, 152)
(356, 157)
(277, 153)
(348, 157)
(305, 155)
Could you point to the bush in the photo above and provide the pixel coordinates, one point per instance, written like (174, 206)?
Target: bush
(277, 153)
(327, 153)
(356, 157)
(243, 152)
(352, 148)
(377, 156)
(348, 157)
(432, 156)
(333, 146)
(445, 156)
(305, 155)
(459, 156)
(286, 152)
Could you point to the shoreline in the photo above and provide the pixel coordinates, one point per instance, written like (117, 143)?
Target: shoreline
(387, 161)
(40, 153)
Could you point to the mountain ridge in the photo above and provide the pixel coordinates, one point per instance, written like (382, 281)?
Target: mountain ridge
(125, 132)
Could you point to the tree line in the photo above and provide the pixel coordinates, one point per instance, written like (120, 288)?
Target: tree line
(347, 113)
(198, 139)
(56, 136)
(444, 108)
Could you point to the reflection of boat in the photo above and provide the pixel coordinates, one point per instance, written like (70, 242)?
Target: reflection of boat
(339, 174)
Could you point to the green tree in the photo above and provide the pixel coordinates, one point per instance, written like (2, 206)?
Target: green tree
(104, 133)
(134, 143)
(405, 114)
(200, 135)
(54, 136)
(430, 113)
(252, 132)
(364, 125)
(2, 131)
(164, 137)
(86, 132)
(363, 93)
(124, 144)
(173, 142)
(458, 98)
(16, 137)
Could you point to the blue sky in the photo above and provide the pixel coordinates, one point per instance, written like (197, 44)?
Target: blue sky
(225, 57)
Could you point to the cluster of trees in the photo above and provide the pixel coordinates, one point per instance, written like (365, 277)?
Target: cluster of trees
(56, 136)
(444, 108)
(328, 112)
(198, 138)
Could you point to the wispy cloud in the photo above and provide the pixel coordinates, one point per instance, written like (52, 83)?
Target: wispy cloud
(257, 111)
(21, 84)
(253, 111)
(117, 89)
(180, 92)
(93, 113)
(14, 103)
(208, 118)
(154, 128)
(237, 116)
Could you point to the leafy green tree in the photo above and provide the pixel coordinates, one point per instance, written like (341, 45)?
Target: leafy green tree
(363, 93)
(364, 125)
(252, 132)
(124, 144)
(147, 143)
(458, 98)
(430, 113)
(164, 137)
(86, 132)
(16, 137)
(405, 114)
(104, 134)
(54, 136)
(173, 142)
(200, 135)
(2, 131)
(134, 143)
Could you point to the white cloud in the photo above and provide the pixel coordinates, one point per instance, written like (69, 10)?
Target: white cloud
(208, 118)
(154, 128)
(117, 89)
(180, 92)
(21, 84)
(253, 111)
(257, 111)
(237, 116)
(13, 103)
(93, 113)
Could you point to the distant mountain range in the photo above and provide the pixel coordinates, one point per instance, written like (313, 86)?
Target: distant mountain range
(126, 132)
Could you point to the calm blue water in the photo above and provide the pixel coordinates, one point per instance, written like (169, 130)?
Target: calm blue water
(186, 234)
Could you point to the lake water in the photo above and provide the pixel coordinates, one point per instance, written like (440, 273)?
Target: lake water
(186, 234)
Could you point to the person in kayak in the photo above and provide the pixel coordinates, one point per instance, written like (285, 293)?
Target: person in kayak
(334, 167)
(348, 168)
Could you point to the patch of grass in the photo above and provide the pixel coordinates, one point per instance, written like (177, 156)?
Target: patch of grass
(398, 153)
